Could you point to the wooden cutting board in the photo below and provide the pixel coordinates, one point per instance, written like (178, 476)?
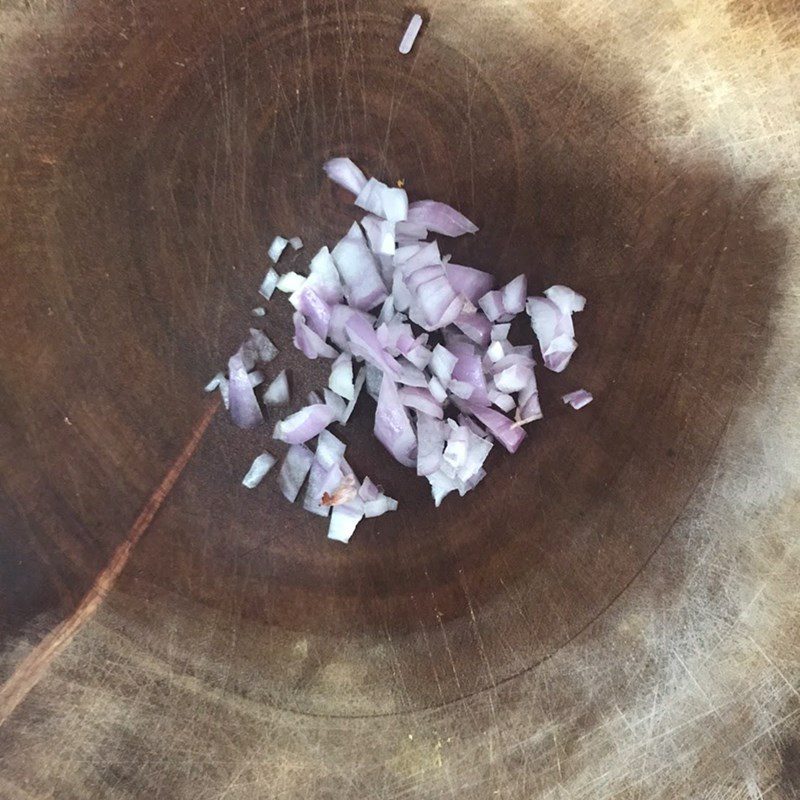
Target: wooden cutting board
(613, 613)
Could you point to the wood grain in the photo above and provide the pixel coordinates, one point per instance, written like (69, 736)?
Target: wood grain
(610, 615)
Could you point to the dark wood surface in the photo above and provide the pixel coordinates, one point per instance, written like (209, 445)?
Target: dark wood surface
(149, 154)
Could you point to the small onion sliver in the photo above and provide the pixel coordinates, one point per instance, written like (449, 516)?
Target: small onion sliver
(410, 35)
(578, 399)
(258, 469)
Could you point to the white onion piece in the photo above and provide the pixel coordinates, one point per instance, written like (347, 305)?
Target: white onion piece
(578, 399)
(315, 310)
(380, 234)
(422, 400)
(244, 408)
(313, 398)
(269, 283)
(492, 305)
(341, 377)
(497, 350)
(214, 382)
(437, 390)
(467, 281)
(505, 402)
(419, 356)
(411, 375)
(290, 282)
(567, 300)
(500, 332)
(258, 469)
(514, 295)
(368, 490)
(387, 312)
(257, 347)
(344, 519)
(383, 201)
(430, 444)
(294, 470)
(320, 480)
(296, 243)
(441, 486)
(461, 389)
(410, 35)
(357, 386)
(435, 298)
(414, 279)
(553, 329)
(442, 364)
(324, 277)
(370, 198)
(379, 506)
(440, 218)
(277, 393)
(410, 259)
(395, 204)
(558, 353)
(392, 425)
(308, 342)
(277, 247)
(344, 172)
(363, 285)
(224, 393)
(304, 424)
(501, 427)
(512, 379)
(330, 450)
(256, 378)
(258, 311)
(335, 403)
(528, 406)
(373, 380)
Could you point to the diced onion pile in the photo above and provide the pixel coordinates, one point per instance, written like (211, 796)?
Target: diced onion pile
(427, 338)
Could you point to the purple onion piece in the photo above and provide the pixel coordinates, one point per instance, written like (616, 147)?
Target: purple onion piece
(440, 218)
(244, 408)
(469, 282)
(304, 424)
(345, 173)
(308, 342)
(500, 426)
(392, 425)
(364, 342)
(294, 470)
(258, 469)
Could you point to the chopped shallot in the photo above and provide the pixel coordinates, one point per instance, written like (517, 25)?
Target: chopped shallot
(269, 283)
(410, 36)
(258, 469)
(277, 247)
(428, 338)
(578, 399)
(277, 393)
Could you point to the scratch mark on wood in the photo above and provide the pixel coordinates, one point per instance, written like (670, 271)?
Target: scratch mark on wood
(31, 669)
